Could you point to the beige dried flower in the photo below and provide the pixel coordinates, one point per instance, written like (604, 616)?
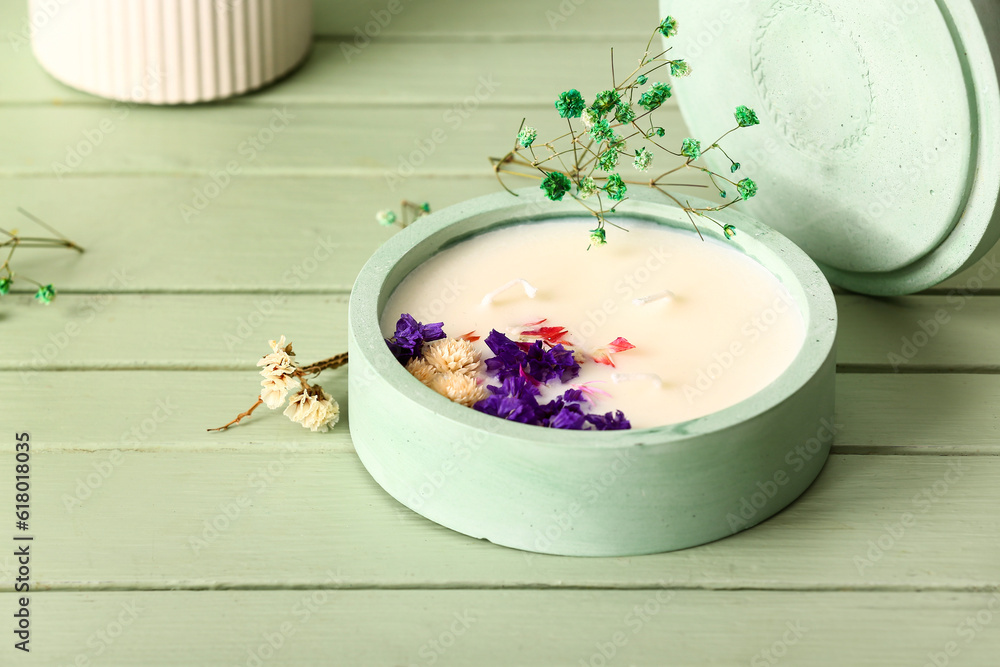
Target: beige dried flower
(278, 373)
(314, 409)
(453, 355)
(420, 369)
(461, 388)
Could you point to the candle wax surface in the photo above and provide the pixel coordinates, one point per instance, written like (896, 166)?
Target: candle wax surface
(729, 330)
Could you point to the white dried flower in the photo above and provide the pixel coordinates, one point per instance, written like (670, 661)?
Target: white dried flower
(278, 373)
(274, 389)
(420, 369)
(453, 355)
(464, 389)
(314, 409)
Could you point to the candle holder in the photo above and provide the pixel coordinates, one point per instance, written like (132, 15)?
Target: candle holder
(585, 493)
(170, 51)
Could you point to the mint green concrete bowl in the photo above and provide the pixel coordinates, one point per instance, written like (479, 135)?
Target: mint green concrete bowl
(575, 493)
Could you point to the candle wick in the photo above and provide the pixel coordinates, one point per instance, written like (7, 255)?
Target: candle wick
(665, 294)
(529, 290)
(618, 378)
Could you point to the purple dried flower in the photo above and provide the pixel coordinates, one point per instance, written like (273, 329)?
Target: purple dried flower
(411, 335)
(609, 421)
(508, 407)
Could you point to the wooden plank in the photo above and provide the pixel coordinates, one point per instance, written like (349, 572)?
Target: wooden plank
(259, 232)
(501, 22)
(280, 140)
(181, 519)
(446, 20)
(876, 413)
(386, 73)
(880, 335)
(648, 627)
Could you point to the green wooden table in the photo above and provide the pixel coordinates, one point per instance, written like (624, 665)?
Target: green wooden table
(156, 543)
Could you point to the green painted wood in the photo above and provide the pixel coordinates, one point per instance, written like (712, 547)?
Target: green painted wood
(389, 73)
(905, 335)
(449, 19)
(876, 413)
(279, 140)
(644, 627)
(280, 515)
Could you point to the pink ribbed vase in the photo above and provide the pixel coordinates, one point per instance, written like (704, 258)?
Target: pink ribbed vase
(170, 51)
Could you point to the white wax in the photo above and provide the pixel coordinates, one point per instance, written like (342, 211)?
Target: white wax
(710, 326)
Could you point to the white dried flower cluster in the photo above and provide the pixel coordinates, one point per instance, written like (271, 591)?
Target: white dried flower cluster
(278, 372)
(420, 369)
(459, 387)
(453, 355)
(450, 367)
(314, 409)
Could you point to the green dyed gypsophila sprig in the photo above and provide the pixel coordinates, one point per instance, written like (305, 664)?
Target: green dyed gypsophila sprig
(44, 293)
(410, 211)
(585, 162)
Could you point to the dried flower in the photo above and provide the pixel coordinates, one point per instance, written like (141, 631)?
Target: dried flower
(615, 187)
(746, 116)
(679, 68)
(654, 98)
(556, 185)
(729, 231)
(601, 131)
(598, 236)
(641, 79)
(608, 160)
(643, 158)
(602, 355)
(589, 117)
(668, 27)
(527, 136)
(624, 113)
(570, 104)
(747, 188)
(410, 336)
(586, 187)
(691, 148)
(735, 168)
(420, 369)
(459, 387)
(5, 285)
(453, 355)
(278, 373)
(605, 101)
(314, 409)
(45, 294)
(386, 217)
